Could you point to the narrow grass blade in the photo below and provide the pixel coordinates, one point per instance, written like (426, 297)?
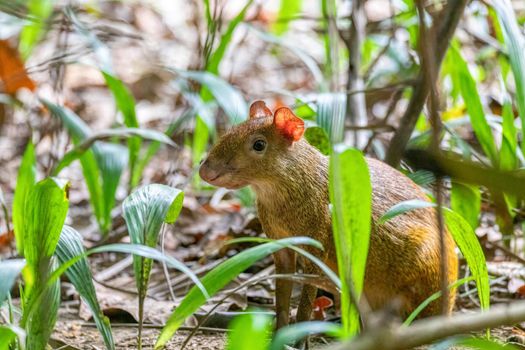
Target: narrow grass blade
(287, 11)
(469, 93)
(216, 58)
(249, 331)
(39, 11)
(70, 246)
(515, 44)
(351, 198)
(403, 207)
(509, 142)
(78, 129)
(219, 277)
(126, 105)
(25, 180)
(466, 201)
(468, 243)
(9, 271)
(298, 331)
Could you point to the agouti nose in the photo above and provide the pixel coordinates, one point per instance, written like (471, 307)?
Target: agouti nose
(207, 173)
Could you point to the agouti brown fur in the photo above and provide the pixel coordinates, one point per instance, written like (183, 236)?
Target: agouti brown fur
(290, 179)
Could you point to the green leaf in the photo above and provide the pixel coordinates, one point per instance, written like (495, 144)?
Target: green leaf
(216, 58)
(76, 127)
(351, 198)
(111, 160)
(250, 331)
(25, 180)
(481, 344)
(318, 138)
(466, 201)
(9, 271)
(70, 246)
(287, 11)
(45, 212)
(80, 149)
(145, 210)
(331, 111)
(228, 98)
(219, 277)
(433, 297)
(469, 93)
(468, 243)
(509, 141)
(298, 331)
(126, 105)
(8, 333)
(39, 11)
(403, 207)
(515, 45)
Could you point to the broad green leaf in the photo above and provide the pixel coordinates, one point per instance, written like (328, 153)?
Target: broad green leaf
(111, 159)
(287, 11)
(515, 45)
(351, 198)
(8, 333)
(39, 320)
(25, 180)
(317, 137)
(219, 277)
(216, 57)
(145, 210)
(126, 105)
(228, 98)
(331, 111)
(469, 93)
(78, 129)
(250, 331)
(431, 298)
(70, 246)
(39, 11)
(9, 271)
(422, 177)
(80, 149)
(468, 243)
(45, 212)
(298, 331)
(403, 207)
(466, 201)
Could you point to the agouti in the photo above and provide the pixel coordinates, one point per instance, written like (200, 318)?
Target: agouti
(290, 180)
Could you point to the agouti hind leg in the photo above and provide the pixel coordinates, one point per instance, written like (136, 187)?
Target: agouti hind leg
(284, 264)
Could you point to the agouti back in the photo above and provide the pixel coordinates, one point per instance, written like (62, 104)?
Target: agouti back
(290, 179)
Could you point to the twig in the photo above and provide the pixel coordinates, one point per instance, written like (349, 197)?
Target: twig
(356, 104)
(445, 29)
(431, 329)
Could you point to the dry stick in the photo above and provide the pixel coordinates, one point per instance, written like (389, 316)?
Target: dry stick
(356, 104)
(445, 29)
(429, 330)
(429, 68)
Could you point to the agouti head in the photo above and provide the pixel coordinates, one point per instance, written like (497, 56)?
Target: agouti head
(243, 155)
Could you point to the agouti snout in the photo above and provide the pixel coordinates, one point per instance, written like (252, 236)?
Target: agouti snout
(290, 179)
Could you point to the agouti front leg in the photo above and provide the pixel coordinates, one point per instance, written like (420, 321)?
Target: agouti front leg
(284, 264)
(308, 294)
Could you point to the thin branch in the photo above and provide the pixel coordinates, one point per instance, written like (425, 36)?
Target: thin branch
(429, 330)
(446, 27)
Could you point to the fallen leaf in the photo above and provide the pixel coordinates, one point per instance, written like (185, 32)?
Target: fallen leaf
(12, 71)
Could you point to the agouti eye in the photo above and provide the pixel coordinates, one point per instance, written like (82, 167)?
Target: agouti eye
(259, 145)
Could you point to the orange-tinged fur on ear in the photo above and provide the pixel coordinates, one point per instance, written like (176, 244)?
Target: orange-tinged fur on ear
(291, 126)
(258, 109)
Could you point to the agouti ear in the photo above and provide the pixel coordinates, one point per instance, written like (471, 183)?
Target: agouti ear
(288, 124)
(258, 109)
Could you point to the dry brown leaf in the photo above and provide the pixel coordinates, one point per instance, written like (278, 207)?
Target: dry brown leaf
(12, 71)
